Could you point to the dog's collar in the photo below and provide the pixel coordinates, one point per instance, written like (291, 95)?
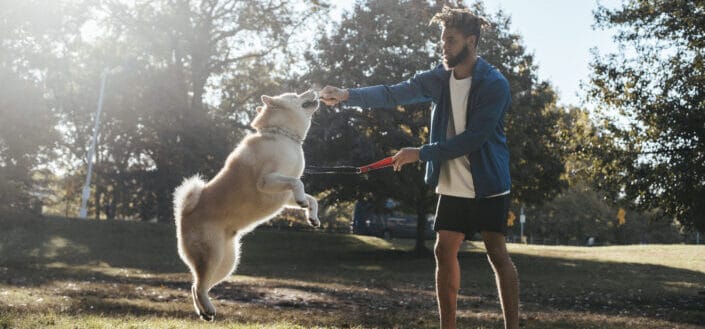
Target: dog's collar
(273, 130)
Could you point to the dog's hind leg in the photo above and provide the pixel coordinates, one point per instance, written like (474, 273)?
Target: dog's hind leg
(206, 255)
(231, 255)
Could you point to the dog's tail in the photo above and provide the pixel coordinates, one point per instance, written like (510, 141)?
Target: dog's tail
(186, 196)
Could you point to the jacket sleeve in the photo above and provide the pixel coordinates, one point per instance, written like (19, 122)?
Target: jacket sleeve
(422, 87)
(490, 108)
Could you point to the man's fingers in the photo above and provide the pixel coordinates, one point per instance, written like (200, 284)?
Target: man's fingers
(328, 92)
(329, 98)
(329, 101)
(398, 161)
(330, 95)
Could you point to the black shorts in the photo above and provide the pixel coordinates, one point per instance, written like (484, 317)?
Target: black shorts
(470, 216)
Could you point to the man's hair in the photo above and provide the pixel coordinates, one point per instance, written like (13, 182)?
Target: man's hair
(462, 19)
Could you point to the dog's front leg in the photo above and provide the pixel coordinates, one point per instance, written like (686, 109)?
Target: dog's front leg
(277, 183)
(311, 212)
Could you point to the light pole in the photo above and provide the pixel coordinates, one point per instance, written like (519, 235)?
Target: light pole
(522, 220)
(91, 151)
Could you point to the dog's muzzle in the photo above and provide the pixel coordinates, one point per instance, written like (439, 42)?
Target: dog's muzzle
(310, 104)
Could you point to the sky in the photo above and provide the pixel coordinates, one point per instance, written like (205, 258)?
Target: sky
(558, 32)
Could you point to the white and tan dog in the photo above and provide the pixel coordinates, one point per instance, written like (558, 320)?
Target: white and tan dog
(259, 178)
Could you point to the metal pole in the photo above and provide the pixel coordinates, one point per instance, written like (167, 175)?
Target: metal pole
(522, 220)
(91, 151)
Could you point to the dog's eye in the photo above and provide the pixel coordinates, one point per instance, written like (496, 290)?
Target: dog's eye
(307, 104)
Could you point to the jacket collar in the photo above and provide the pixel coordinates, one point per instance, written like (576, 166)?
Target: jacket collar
(479, 71)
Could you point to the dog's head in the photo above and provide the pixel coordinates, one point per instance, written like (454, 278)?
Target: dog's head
(290, 111)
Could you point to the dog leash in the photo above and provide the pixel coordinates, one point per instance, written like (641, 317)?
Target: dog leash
(316, 170)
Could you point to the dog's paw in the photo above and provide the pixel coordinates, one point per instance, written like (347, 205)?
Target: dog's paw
(314, 222)
(206, 316)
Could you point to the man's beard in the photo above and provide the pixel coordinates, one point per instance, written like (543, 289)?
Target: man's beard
(453, 61)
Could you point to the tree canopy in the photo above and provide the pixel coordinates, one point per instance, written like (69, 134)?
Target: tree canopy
(650, 101)
(184, 78)
(161, 59)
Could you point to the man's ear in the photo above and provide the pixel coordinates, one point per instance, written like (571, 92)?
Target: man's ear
(473, 42)
(267, 100)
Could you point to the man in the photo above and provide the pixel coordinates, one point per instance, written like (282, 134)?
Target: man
(467, 159)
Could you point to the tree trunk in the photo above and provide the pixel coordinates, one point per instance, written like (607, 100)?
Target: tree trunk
(420, 249)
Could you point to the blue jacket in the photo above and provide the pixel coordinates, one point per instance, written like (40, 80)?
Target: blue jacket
(483, 140)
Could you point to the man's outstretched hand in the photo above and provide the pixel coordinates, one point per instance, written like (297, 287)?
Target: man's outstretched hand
(330, 95)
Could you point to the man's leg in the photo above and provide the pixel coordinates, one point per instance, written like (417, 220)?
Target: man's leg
(506, 277)
(447, 275)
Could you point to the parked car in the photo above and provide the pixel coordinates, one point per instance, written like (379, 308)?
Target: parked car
(367, 221)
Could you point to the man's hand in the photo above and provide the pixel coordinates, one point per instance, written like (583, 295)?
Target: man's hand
(330, 95)
(404, 156)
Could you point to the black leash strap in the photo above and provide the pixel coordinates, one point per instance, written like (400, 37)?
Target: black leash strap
(315, 170)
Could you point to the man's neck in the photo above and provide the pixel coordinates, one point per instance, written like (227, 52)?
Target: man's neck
(464, 69)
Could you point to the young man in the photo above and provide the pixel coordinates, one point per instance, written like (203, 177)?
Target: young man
(467, 159)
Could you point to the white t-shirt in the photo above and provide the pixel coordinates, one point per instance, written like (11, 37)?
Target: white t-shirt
(455, 177)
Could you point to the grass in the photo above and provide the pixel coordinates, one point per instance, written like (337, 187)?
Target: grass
(63, 273)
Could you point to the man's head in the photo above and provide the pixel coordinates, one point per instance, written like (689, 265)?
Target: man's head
(461, 34)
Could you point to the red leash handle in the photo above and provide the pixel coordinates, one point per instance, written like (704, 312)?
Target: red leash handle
(386, 162)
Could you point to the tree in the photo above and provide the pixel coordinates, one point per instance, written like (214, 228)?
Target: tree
(163, 58)
(383, 42)
(26, 129)
(380, 42)
(27, 126)
(650, 99)
(583, 210)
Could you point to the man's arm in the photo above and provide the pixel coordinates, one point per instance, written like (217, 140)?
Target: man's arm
(422, 87)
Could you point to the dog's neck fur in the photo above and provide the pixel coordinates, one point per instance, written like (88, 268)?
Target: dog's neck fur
(276, 130)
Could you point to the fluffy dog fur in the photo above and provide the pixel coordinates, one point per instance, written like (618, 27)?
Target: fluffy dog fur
(259, 178)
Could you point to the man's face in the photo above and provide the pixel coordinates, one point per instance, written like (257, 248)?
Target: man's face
(456, 47)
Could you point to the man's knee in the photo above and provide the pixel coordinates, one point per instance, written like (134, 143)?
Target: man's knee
(447, 247)
(497, 256)
(496, 249)
(445, 252)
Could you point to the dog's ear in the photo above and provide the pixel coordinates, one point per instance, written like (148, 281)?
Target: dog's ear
(259, 109)
(267, 100)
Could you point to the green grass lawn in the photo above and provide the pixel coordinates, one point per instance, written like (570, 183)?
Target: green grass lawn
(95, 274)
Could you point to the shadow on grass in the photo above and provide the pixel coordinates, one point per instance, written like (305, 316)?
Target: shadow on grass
(359, 281)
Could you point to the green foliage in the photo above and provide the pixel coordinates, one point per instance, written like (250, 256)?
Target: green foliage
(25, 129)
(651, 103)
(380, 42)
(184, 79)
(580, 212)
(161, 59)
